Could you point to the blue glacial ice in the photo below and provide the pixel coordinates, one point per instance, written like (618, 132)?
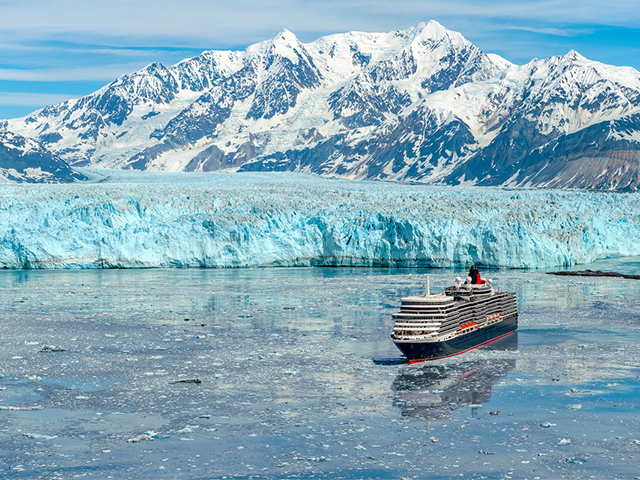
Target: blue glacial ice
(140, 219)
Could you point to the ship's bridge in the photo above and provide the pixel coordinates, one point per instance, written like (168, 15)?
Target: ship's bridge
(469, 290)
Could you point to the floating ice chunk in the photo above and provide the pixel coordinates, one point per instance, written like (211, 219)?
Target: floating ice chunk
(547, 425)
(20, 409)
(189, 429)
(575, 406)
(51, 349)
(564, 441)
(39, 436)
(192, 380)
(150, 435)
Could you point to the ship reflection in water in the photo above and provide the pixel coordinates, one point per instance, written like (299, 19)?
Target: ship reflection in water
(435, 391)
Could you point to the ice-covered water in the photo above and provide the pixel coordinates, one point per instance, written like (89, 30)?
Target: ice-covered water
(298, 377)
(141, 219)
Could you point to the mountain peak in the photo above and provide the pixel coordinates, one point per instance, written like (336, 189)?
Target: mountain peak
(284, 44)
(434, 31)
(285, 36)
(574, 56)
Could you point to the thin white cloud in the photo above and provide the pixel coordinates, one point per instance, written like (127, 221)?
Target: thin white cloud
(557, 32)
(242, 22)
(32, 100)
(95, 50)
(102, 73)
(556, 12)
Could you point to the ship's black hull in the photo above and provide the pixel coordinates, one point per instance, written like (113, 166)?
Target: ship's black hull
(419, 352)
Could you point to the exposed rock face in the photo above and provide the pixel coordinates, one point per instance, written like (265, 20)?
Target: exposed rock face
(420, 105)
(25, 160)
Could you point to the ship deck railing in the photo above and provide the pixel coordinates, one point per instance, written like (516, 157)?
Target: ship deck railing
(413, 337)
(414, 326)
(449, 335)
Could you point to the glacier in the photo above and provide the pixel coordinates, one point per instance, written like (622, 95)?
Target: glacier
(129, 219)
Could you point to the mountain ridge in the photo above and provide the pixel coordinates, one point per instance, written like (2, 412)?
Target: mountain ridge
(420, 105)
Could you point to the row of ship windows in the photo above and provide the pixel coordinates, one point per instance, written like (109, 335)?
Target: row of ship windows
(448, 308)
(403, 329)
(427, 311)
(504, 303)
(469, 315)
(414, 330)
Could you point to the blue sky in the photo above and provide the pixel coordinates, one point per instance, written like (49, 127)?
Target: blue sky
(52, 50)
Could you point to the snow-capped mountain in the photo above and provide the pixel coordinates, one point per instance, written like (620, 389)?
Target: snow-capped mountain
(420, 105)
(25, 160)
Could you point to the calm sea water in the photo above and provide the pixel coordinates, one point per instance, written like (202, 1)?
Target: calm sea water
(298, 378)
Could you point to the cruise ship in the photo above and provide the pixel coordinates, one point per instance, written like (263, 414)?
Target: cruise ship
(466, 316)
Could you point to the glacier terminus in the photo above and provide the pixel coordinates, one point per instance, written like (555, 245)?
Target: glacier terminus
(129, 219)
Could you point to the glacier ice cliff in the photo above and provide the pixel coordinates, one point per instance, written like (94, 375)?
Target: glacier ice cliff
(142, 219)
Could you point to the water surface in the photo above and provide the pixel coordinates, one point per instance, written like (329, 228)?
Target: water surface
(298, 377)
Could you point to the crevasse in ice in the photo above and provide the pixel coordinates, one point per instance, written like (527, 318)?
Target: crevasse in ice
(242, 220)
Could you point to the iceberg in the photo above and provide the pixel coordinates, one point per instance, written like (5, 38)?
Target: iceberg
(120, 219)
